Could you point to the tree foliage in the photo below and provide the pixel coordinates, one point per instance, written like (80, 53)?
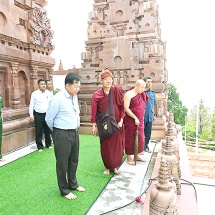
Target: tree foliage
(206, 122)
(203, 116)
(175, 105)
(212, 124)
(57, 90)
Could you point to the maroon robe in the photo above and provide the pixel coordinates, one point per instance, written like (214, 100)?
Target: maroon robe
(137, 106)
(112, 147)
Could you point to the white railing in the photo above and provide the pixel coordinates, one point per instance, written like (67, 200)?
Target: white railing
(202, 165)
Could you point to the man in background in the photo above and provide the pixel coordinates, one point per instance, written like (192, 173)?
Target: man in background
(51, 94)
(39, 104)
(149, 112)
(49, 88)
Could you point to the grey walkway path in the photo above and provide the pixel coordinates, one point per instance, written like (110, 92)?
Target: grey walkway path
(124, 189)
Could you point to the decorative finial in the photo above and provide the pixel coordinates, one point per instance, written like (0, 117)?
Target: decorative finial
(60, 66)
(163, 198)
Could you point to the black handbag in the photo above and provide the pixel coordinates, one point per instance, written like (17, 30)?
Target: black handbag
(106, 122)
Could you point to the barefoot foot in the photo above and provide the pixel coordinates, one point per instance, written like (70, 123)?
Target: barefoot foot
(138, 158)
(116, 172)
(148, 150)
(70, 196)
(80, 189)
(2, 160)
(130, 161)
(106, 172)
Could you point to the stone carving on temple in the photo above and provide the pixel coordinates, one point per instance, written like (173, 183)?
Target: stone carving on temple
(39, 24)
(33, 72)
(163, 199)
(160, 109)
(14, 66)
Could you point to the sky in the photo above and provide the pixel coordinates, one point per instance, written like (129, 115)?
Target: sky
(188, 28)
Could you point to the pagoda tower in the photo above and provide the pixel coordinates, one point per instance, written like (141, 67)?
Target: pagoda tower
(124, 35)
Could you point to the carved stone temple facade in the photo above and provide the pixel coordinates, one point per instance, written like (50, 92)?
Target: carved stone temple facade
(124, 35)
(25, 48)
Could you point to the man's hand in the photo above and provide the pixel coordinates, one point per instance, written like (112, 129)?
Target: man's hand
(32, 119)
(94, 129)
(120, 124)
(136, 121)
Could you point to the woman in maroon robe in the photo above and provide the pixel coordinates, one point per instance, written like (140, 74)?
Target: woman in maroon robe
(135, 100)
(112, 147)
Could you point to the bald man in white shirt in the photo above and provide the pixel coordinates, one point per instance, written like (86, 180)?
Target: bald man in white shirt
(37, 110)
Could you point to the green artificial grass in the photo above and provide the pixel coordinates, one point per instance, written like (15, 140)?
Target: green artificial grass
(28, 186)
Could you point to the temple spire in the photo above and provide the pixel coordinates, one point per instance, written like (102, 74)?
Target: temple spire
(60, 66)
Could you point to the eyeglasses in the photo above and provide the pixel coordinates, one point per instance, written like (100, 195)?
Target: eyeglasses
(77, 87)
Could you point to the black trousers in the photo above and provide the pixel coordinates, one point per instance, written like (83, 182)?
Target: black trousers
(40, 126)
(147, 132)
(66, 148)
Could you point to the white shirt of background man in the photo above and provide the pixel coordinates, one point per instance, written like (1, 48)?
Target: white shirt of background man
(39, 102)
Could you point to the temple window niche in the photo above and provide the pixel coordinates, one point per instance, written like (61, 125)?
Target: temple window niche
(23, 88)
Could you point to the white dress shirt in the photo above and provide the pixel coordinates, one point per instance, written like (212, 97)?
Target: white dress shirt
(39, 102)
(51, 94)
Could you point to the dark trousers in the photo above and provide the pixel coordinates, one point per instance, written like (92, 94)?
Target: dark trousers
(40, 126)
(147, 132)
(66, 148)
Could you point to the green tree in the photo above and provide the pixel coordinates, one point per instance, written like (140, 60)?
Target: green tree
(203, 116)
(212, 124)
(175, 105)
(205, 122)
(206, 133)
(190, 128)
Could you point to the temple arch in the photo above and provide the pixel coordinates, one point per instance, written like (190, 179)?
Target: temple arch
(3, 19)
(23, 88)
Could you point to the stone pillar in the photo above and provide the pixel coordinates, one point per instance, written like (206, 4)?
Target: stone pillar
(115, 77)
(15, 96)
(121, 80)
(33, 78)
(50, 73)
